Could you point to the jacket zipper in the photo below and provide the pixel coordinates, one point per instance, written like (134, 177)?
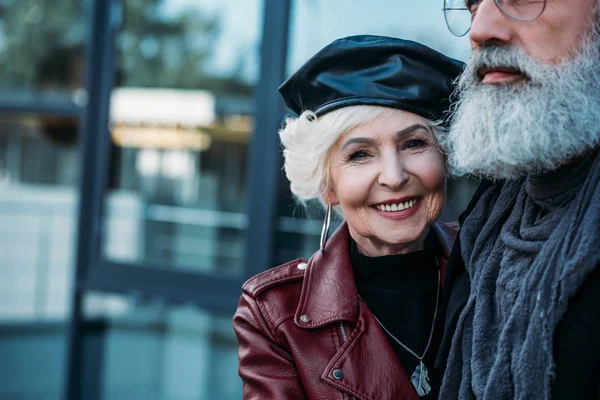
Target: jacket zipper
(343, 332)
(345, 336)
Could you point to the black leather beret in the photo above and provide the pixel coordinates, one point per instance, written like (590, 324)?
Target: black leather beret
(373, 70)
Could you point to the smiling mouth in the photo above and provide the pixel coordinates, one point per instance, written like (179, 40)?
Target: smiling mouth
(395, 207)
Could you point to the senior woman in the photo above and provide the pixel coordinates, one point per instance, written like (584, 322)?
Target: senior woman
(363, 318)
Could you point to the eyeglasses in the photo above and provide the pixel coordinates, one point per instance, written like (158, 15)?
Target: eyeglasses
(458, 13)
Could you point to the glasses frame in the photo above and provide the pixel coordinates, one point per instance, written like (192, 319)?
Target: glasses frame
(444, 9)
(497, 2)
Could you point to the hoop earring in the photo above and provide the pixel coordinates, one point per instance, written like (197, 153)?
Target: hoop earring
(325, 230)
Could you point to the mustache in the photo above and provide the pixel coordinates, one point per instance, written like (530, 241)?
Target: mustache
(509, 131)
(504, 57)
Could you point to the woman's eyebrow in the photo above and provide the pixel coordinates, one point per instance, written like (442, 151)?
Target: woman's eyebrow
(411, 129)
(405, 131)
(363, 140)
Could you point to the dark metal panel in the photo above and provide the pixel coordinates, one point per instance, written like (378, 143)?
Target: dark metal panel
(93, 153)
(264, 168)
(215, 293)
(218, 294)
(95, 334)
(40, 106)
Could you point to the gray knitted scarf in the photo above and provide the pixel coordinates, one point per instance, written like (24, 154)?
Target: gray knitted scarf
(528, 245)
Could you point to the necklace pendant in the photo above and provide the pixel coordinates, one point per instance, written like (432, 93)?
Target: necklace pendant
(420, 380)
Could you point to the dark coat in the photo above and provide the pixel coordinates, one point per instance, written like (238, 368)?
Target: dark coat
(576, 344)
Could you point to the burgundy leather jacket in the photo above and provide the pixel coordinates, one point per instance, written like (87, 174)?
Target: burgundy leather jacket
(304, 334)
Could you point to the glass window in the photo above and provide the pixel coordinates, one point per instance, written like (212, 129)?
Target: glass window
(181, 117)
(42, 51)
(39, 169)
(311, 29)
(316, 23)
(154, 351)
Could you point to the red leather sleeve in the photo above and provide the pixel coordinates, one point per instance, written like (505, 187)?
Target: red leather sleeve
(267, 370)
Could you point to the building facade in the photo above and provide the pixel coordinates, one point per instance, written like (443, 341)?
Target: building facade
(141, 182)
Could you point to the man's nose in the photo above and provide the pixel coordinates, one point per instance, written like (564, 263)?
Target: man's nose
(393, 174)
(490, 26)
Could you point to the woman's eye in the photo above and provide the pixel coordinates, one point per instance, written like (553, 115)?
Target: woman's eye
(415, 144)
(358, 155)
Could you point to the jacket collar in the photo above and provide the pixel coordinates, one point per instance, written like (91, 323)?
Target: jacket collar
(445, 236)
(329, 291)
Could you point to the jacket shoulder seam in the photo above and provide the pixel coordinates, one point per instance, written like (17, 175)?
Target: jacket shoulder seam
(272, 328)
(259, 283)
(282, 319)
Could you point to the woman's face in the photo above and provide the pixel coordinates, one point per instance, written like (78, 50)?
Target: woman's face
(389, 178)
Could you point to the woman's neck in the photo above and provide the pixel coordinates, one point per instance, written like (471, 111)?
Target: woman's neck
(377, 248)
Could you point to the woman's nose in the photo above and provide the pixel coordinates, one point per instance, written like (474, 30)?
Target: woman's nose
(393, 174)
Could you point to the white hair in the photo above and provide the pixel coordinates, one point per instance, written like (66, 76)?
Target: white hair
(307, 142)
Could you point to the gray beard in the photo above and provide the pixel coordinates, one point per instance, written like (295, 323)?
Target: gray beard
(510, 131)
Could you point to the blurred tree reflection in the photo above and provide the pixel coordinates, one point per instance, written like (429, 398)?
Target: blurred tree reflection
(159, 48)
(32, 32)
(42, 47)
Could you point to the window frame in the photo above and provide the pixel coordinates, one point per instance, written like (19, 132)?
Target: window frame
(93, 272)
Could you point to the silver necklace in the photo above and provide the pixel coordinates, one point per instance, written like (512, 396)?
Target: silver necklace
(419, 378)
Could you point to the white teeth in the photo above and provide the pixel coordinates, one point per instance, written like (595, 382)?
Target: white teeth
(396, 207)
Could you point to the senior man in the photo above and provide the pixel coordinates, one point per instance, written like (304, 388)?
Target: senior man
(523, 282)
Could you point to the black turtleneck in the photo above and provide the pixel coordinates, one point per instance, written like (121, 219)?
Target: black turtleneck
(400, 290)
